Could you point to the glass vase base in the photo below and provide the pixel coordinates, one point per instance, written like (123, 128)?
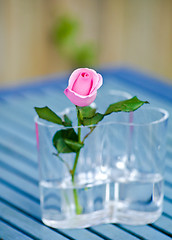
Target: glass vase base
(134, 218)
(128, 217)
(78, 221)
(136, 201)
(141, 218)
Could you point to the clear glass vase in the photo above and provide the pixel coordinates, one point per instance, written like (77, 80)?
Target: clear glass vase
(119, 173)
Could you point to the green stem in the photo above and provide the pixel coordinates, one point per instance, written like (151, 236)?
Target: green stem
(74, 166)
(88, 134)
(75, 194)
(77, 154)
(78, 209)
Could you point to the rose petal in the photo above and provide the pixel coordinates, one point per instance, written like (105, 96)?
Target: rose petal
(99, 83)
(73, 77)
(79, 100)
(83, 84)
(75, 74)
(95, 79)
(78, 91)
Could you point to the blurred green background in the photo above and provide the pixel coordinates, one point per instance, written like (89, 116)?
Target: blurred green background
(40, 37)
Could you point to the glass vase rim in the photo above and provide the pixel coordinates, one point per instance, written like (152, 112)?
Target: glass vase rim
(111, 122)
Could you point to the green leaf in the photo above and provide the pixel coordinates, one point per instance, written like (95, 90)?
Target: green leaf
(86, 112)
(47, 114)
(66, 141)
(93, 120)
(67, 122)
(128, 105)
(75, 146)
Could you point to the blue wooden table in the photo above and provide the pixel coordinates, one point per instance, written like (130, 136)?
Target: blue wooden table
(19, 193)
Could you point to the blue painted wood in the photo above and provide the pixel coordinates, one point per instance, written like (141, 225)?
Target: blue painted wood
(113, 232)
(36, 228)
(165, 224)
(18, 161)
(8, 233)
(168, 209)
(16, 119)
(169, 160)
(150, 83)
(16, 136)
(147, 232)
(81, 234)
(28, 225)
(168, 177)
(11, 163)
(14, 147)
(9, 127)
(168, 192)
(19, 183)
(21, 201)
(27, 132)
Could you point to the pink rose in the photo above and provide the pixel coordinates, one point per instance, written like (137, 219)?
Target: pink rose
(83, 86)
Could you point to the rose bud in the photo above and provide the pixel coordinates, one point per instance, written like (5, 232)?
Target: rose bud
(83, 85)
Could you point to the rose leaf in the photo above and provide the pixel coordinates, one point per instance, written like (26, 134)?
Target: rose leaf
(128, 105)
(75, 146)
(86, 112)
(66, 141)
(93, 120)
(47, 114)
(67, 122)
